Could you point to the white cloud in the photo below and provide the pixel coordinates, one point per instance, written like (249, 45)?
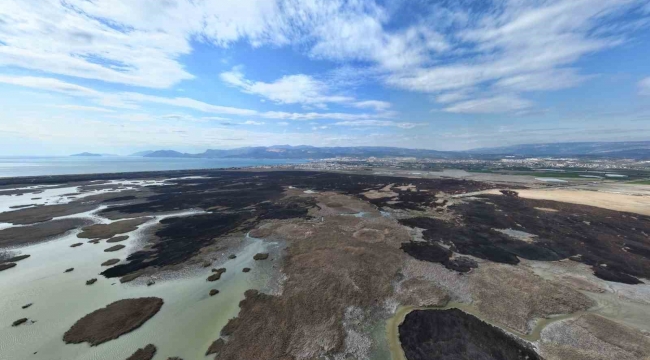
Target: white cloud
(48, 84)
(281, 115)
(185, 103)
(85, 108)
(644, 86)
(290, 89)
(135, 42)
(251, 122)
(373, 104)
(452, 96)
(139, 42)
(131, 100)
(215, 118)
(134, 117)
(355, 30)
(378, 123)
(554, 79)
(522, 46)
(283, 123)
(447, 50)
(491, 105)
(297, 89)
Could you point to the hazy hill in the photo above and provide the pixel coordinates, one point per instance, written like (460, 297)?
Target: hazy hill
(142, 153)
(306, 152)
(167, 154)
(86, 154)
(631, 149)
(635, 150)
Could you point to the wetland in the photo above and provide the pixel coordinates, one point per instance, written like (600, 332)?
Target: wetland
(315, 265)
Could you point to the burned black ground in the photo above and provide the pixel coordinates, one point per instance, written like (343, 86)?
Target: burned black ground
(453, 334)
(236, 202)
(614, 243)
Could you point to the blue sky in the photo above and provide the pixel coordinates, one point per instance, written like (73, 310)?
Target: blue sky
(120, 76)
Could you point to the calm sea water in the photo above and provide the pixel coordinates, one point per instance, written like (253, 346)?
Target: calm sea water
(35, 166)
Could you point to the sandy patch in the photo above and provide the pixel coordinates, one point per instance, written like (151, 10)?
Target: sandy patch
(406, 187)
(546, 209)
(374, 194)
(611, 201)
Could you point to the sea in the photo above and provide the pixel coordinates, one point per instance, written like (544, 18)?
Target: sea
(67, 165)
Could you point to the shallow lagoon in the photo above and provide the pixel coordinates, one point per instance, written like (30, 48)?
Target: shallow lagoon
(186, 325)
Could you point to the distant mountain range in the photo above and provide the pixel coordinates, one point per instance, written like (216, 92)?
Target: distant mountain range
(627, 150)
(302, 152)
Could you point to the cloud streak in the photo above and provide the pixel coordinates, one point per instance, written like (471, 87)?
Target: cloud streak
(644, 86)
(132, 100)
(297, 89)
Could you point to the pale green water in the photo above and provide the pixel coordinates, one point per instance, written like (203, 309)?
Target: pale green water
(186, 325)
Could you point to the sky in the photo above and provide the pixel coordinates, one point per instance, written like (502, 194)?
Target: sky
(120, 76)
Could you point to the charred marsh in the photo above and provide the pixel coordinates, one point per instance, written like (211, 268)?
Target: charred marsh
(614, 243)
(453, 334)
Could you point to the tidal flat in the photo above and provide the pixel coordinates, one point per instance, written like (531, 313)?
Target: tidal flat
(306, 265)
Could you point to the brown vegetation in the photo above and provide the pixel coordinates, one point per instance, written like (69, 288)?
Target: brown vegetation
(5, 266)
(117, 239)
(514, 296)
(106, 231)
(114, 248)
(145, 353)
(110, 262)
(261, 256)
(217, 274)
(43, 213)
(17, 236)
(113, 321)
(327, 275)
(19, 322)
(592, 337)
